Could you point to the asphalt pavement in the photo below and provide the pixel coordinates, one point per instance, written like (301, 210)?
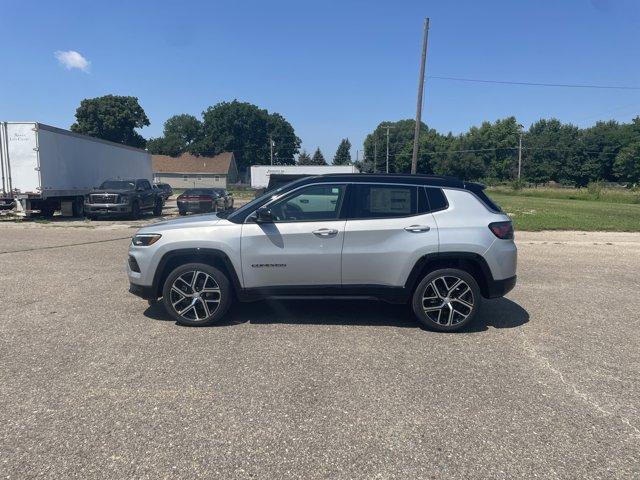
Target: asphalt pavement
(94, 383)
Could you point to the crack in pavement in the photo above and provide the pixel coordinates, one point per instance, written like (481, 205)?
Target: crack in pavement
(544, 361)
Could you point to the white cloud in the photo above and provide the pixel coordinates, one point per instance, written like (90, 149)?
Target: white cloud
(71, 59)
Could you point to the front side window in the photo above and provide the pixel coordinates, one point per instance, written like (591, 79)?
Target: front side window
(383, 201)
(313, 203)
(144, 185)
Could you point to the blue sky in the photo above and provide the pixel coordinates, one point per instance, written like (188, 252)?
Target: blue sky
(333, 68)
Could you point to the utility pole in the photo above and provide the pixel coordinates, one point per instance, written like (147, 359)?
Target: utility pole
(388, 147)
(416, 133)
(375, 152)
(520, 152)
(271, 148)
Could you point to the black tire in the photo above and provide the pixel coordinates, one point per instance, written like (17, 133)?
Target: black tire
(157, 208)
(78, 207)
(135, 210)
(215, 278)
(182, 212)
(446, 308)
(91, 217)
(47, 211)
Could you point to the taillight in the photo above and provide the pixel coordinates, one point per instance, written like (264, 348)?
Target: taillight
(502, 230)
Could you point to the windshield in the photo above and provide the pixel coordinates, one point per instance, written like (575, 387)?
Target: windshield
(255, 203)
(118, 185)
(240, 214)
(199, 191)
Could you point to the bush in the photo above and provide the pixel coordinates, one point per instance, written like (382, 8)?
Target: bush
(595, 189)
(518, 184)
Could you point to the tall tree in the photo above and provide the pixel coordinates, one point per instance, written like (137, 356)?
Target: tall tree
(180, 133)
(285, 142)
(304, 158)
(245, 129)
(318, 158)
(112, 118)
(627, 163)
(343, 153)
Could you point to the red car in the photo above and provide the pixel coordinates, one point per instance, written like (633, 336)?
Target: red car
(200, 200)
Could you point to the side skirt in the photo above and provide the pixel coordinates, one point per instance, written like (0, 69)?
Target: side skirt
(379, 292)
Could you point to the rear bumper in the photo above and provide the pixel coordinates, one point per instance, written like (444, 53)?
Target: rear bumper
(499, 288)
(107, 208)
(148, 293)
(197, 207)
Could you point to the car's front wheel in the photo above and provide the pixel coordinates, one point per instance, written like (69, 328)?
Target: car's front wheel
(157, 208)
(196, 294)
(446, 300)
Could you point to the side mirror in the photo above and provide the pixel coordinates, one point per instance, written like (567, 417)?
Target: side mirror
(264, 215)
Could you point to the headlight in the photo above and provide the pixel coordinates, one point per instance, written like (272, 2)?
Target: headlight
(124, 199)
(145, 239)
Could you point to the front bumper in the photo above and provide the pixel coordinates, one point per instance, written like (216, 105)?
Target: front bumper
(107, 208)
(148, 293)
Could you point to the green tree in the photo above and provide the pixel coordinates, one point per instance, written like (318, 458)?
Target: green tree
(627, 163)
(318, 158)
(165, 146)
(343, 153)
(285, 142)
(304, 158)
(245, 129)
(112, 118)
(180, 133)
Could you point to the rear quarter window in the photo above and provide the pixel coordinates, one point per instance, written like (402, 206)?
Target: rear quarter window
(437, 199)
(491, 205)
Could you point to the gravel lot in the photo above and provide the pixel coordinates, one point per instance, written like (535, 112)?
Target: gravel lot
(96, 384)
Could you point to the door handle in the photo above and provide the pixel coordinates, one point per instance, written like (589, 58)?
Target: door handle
(418, 228)
(325, 232)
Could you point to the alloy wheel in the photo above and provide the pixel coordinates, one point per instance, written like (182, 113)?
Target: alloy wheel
(195, 295)
(447, 300)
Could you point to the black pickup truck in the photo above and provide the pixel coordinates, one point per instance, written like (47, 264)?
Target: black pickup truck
(123, 197)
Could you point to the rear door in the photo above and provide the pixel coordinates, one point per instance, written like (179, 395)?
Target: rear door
(302, 247)
(389, 227)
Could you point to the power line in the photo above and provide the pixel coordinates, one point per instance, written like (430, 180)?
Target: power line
(534, 84)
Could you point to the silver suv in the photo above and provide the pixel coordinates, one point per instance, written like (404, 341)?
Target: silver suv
(436, 242)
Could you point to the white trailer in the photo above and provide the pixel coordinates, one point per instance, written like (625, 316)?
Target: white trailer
(260, 173)
(45, 168)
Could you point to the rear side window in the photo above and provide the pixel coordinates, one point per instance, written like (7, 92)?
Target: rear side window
(383, 201)
(437, 199)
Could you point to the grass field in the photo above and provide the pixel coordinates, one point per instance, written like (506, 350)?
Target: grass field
(537, 212)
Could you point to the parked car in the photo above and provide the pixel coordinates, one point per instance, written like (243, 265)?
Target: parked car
(200, 200)
(226, 196)
(436, 243)
(165, 190)
(123, 197)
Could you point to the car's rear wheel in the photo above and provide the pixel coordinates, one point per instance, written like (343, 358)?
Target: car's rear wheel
(446, 300)
(182, 212)
(196, 294)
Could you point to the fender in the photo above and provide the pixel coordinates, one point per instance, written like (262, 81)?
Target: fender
(447, 259)
(194, 254)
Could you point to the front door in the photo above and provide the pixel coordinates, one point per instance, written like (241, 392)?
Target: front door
(146, 193)
(302, 246)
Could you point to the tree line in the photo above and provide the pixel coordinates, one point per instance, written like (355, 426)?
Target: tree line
(551, 151)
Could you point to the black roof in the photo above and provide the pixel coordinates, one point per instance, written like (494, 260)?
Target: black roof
(418, 179)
